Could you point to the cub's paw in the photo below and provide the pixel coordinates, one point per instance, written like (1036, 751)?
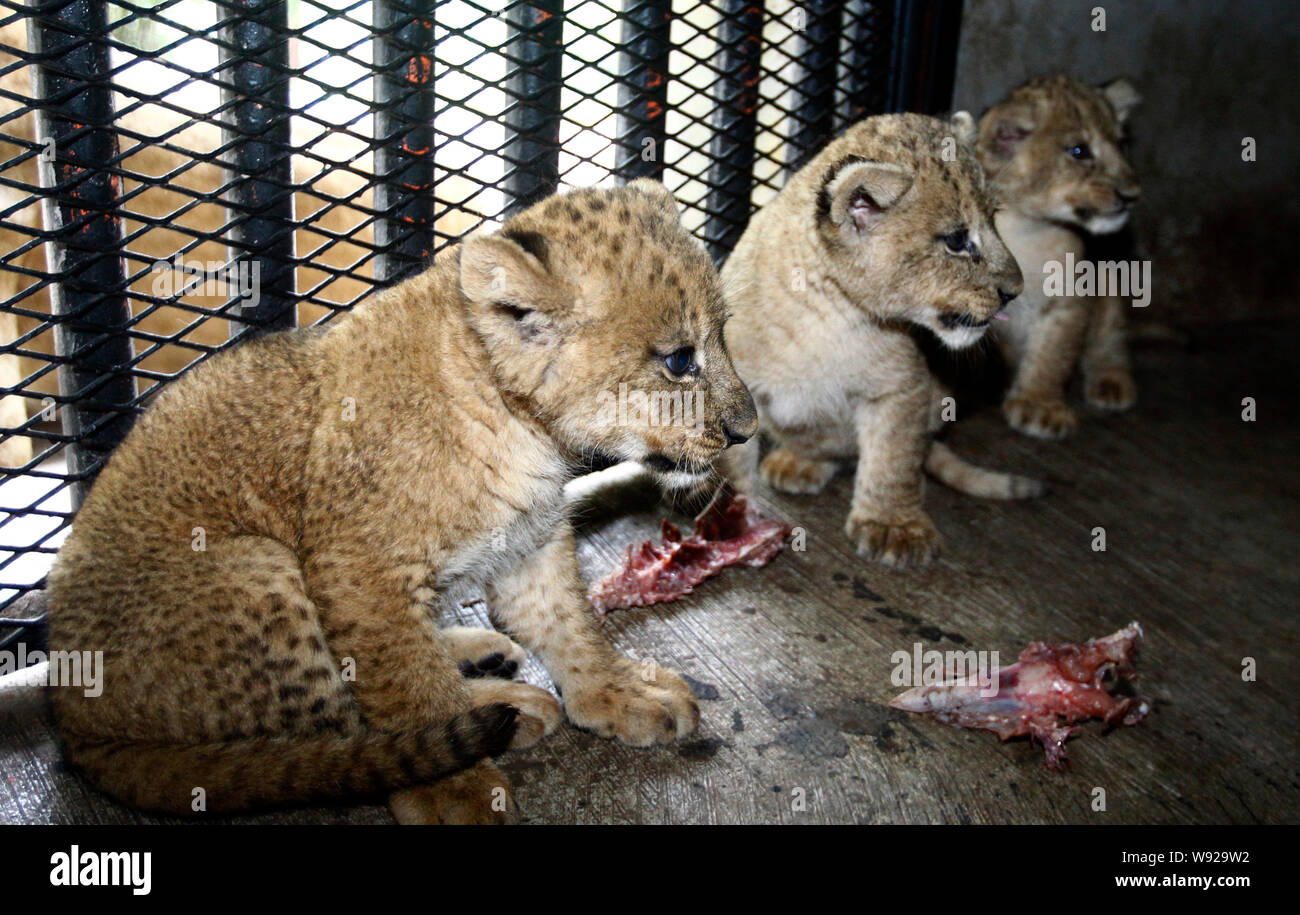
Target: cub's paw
(640, 706)
(908, 544)
(479, 796)
(483, 652)
(539, 711)
(784, 470)
(492, 665)
(1111, 389)
(1049, 419)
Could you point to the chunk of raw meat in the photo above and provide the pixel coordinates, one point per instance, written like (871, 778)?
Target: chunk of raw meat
(1047, 690)
(728, 531)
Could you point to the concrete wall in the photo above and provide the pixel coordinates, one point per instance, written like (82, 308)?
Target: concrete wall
(1223, 234)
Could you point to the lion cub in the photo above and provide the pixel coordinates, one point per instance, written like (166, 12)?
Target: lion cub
(889, 226)
(1052, 150)
(258, 559)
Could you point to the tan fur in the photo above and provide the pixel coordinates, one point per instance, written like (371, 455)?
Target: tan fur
(823, 287)
(1046, 198)
(343, 481)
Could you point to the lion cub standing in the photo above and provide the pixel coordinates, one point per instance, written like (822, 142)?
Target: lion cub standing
(1053, 156)
(887, 227)
(258, 559)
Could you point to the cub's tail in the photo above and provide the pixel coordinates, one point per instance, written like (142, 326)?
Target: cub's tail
(948, 468)
(248, 773)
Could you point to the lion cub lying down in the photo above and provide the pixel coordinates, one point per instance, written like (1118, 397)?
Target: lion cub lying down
(1053, 153)
(258, 559)
(889, 226)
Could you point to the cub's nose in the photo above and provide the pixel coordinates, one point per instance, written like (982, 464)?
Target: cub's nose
(1004, 297)
(735, 437)
(742, 422)
(739, 415)
(1128, 195)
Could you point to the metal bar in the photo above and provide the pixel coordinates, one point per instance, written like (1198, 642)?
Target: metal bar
(901, 54)
(813, 119)
(731, 176)
(256, 129)
(88, 296)
(404, 138)
(643, 91)
(866, 68)
(532, 148)
(939, 63)
(924, 60)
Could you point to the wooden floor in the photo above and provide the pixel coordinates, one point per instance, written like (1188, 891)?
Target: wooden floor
(792, 662)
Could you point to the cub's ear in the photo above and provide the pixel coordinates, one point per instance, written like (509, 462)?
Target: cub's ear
(509, 287)
(1003, 128)
(1123, 97)
(963, 125)
(859, 190)
(658, 193)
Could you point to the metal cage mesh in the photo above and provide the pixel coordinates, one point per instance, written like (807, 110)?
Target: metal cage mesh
(178, 175)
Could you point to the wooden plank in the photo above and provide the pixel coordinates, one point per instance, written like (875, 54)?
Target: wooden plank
(793, 661)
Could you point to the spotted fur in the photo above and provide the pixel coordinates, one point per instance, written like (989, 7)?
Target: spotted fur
(259, 559)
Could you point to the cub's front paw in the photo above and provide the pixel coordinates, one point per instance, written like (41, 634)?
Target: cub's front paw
(1050, 419)
(1111, 389)
(907, 544)
(539, 712)
(789, 472)
(639, 705)
(483, 652)
(479, 796)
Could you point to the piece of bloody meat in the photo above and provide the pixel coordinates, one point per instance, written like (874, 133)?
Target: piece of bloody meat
(729, 531)
(1047, 690)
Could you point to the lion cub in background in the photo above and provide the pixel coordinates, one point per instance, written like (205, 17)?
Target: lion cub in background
(258, 559)
(1052, 150)
(889, 226)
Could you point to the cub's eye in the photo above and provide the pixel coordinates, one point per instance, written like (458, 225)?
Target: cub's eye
(956, 241)
(1080, 152)
(681, 362)
(960, 243)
